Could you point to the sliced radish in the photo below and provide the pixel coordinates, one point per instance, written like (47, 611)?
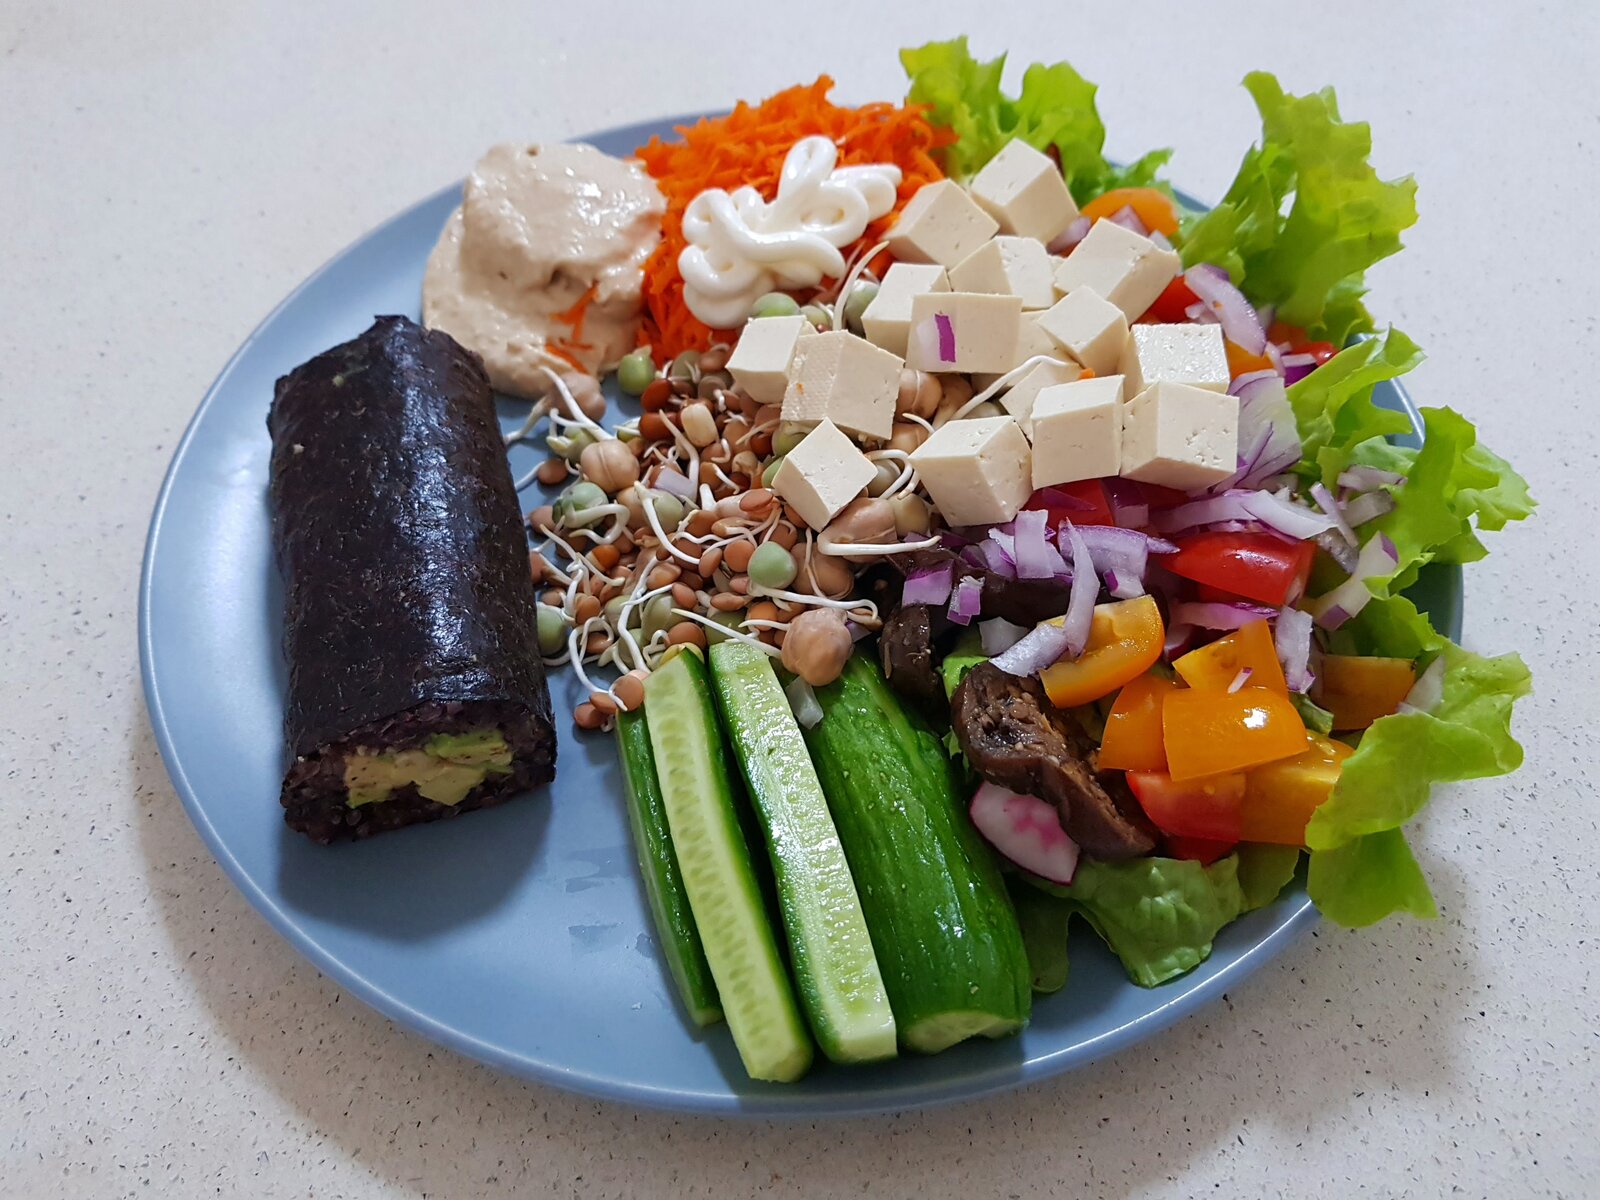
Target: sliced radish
(1027, 831)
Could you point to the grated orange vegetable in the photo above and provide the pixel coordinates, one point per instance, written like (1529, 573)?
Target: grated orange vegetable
(747, 147)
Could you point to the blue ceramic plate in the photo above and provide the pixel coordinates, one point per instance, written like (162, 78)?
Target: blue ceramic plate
(518, 936)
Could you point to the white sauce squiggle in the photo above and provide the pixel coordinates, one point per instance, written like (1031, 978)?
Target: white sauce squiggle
(741, 247)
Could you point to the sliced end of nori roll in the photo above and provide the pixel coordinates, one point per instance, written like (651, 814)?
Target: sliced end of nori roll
(409, 609)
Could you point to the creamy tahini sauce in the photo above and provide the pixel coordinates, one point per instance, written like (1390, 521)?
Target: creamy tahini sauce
(537, 226)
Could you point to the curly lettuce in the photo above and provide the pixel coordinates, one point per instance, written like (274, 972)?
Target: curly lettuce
(1306, 214)
(1055, 108)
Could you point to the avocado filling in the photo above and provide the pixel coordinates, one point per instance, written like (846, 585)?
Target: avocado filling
(444, 770)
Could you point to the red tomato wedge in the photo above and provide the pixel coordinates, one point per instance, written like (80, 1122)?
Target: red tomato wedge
(1257, 566)
(1172, 306)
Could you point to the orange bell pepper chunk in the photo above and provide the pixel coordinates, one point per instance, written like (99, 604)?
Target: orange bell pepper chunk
(1133, 740)
(1280, 797)
(1210, 733)
(1125, 640)
(1151, 205)
(1359, 690)
(1242, 362)
(1214, 667)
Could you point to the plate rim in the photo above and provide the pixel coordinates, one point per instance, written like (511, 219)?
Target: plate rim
(1182, 1001)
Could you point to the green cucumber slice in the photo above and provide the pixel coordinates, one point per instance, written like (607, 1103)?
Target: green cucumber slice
(942, 926)
(663, 882)
(835, 969)
(696, 789)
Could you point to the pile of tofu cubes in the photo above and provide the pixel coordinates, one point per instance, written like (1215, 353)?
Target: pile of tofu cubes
(974, 291)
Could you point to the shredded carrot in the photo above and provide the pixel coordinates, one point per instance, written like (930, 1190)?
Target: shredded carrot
(574, 316)
(747, 147)
(559, 350)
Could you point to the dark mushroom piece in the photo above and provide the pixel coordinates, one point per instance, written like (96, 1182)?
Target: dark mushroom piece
(1021, 601)
(906, 648)
(1015, 737)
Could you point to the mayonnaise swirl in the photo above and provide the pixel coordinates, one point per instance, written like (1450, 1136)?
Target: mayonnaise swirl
(741, 247)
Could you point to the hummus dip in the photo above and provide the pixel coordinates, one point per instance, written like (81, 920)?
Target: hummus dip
(537, 228)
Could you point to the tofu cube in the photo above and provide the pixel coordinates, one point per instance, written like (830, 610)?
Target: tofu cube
(1192, 354)
(1008, 266)
(940, 225)
(822, 474)
(1127, 269)
(1089, 327)
(983, 332)
(836, 376)
(760, 362)
(1077, 431)
(978, 471)
(1180, 436)
(1032, 342)
(1020, 397)
(1025, 192)
(887, 320)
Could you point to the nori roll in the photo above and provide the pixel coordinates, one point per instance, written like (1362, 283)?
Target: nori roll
(416, 691)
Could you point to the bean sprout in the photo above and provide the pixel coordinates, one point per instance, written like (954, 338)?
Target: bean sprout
(577, 416)
(655, 523)
(1000, 384)
(723, 629)
(849, 281)
(872, 549)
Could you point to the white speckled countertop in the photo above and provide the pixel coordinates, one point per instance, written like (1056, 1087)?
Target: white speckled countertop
(172, 169)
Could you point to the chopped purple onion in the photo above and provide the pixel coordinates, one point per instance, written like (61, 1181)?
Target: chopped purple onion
(947, 337)
(1043, 645)
(1364, 479)
(1240, 324)
(1329, 505)
(1070, 237)
(1035, 557)
(1378, 560)
(1291, 636)
(1368, 506)
(1085, 591)
(1239, 680)
(1428, 690)
(930, 585)
(966, 599)
(674, 483)
(998, 635)
(1220, 615)
(1128, 219)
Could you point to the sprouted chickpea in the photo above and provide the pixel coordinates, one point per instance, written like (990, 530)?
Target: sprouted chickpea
(817, 645)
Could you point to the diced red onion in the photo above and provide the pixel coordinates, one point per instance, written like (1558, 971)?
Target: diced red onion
(1368, 506)
(1040, 647)
(1378, 558)
(1428, 690)
(857, 632)
(1292, 638)
(998, 635)
(1341, 551)
(1297, 366)
(1025, 830)
(1035, 557)
(1240, 324)
(1291, 519)
(1160, 239)
(1085, 591)
(1227, 507)
(1128, 219)
(1269, 440)
(1241, 382)
(931, 585)
(1329, 505)
(1363, 479)
(1239, 680)
(1220, 615)
(674, 483)
(997, 555)
(1070, 236)
(803, 703)
(1177, 640)
(966, 599)
(1201, 314)
(947, 337)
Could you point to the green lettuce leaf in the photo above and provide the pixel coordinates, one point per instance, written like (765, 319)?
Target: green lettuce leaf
(1307, 255)
(1333, 406)
(1264, 871)
(1158, 915)
(1467, 735)
(1056, 107)
(1044, 920)
(1364, 881)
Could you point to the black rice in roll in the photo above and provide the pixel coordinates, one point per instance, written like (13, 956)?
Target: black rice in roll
(415, 686)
